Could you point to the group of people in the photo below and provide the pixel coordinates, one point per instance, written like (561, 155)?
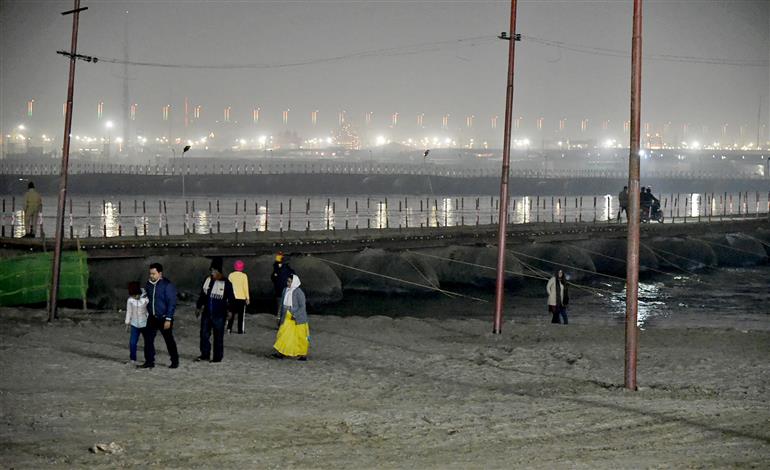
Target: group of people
(648, 203)
(221, 303)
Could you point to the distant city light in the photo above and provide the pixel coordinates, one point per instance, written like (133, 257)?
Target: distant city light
(109, 124)
(380, 140)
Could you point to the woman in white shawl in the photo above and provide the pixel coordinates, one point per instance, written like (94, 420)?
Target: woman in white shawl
(293, 338)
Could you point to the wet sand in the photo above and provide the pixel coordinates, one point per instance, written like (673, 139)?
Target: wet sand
(382, 392)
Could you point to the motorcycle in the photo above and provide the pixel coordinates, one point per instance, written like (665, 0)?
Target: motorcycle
(649, 214)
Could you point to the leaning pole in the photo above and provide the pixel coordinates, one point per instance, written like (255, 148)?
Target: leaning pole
(632, 256)
(59, 232)
(503, 216)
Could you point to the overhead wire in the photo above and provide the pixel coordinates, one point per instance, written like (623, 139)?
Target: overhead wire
(383, 52)
(435, 46)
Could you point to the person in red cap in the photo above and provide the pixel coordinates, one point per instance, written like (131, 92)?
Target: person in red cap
(240, 282)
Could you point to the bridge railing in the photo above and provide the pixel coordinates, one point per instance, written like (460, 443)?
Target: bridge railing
(270, 167)
(123, 217)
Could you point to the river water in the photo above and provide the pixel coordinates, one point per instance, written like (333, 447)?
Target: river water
(113, 216)
(719, 297)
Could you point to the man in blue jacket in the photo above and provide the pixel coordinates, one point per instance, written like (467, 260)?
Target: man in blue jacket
(162, 296)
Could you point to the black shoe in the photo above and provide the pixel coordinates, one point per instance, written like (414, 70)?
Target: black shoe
(174, 365)
(302, 358)
(201, 359)
(146, 365)
(216, 360)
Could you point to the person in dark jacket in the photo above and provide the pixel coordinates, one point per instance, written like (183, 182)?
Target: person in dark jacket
(161, 294)
(623, 202)
(215, 299)
(282, 273)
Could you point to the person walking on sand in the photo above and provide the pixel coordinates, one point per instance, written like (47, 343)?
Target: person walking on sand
(240, 282)
(215, 298)
(282, 272)
(161, 294)
(293, 338)
(558, 297)
(623, 202)
(136, 317)
(33, 207)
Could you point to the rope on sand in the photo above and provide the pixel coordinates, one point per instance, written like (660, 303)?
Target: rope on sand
(451, 296)
(404, 281)
(543, 276)
(757, 239)
(621, 260)
(659, 250)
(475, 265)
(568, 266)
(732, 247)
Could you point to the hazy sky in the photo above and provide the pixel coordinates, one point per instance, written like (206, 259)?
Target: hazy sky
(453, 76)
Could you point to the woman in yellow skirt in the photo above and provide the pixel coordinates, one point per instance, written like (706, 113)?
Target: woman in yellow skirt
(293, 338)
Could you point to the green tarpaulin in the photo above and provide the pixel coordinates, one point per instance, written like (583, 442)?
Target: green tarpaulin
(27, 279)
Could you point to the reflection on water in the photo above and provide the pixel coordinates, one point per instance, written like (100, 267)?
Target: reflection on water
(695, 204)
(608, 212)
(275, 213)
(329, 216)
(18, 223)
(110, 220)
(652, 302)
(262, 219)
(448, 209)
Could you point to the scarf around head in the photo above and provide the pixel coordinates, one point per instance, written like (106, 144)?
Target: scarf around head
(290, 290)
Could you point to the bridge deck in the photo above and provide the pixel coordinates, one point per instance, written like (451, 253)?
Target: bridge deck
(256, 243)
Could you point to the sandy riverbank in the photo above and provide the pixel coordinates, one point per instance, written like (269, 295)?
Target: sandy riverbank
(380, 392)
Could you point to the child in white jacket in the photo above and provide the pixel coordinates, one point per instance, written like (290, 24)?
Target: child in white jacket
(136, 316)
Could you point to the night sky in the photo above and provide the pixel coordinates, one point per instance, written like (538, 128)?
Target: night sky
(431, 57)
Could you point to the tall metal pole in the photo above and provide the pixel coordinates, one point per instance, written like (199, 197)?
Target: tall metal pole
(503, 216)
(56, 265)
(632, 257)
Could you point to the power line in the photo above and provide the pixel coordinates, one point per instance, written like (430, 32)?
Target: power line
(428, 47)
(385, 52)
(601, 51)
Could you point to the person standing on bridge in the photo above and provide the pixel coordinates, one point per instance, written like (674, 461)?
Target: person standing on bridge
(558, 297)
(33, 207)
(623, 202)
(212, 306)
(161, 294)
(240, 282)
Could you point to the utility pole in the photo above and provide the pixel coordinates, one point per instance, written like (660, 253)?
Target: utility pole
(632, 256)
(56, 265)
(503, 215)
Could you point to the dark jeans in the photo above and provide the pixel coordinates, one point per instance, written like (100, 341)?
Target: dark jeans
(208, 323)
(153, 325)
(558, 311)
(134, 341)
(238, 310)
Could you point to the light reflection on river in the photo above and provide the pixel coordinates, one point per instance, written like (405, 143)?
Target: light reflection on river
(110, 216)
